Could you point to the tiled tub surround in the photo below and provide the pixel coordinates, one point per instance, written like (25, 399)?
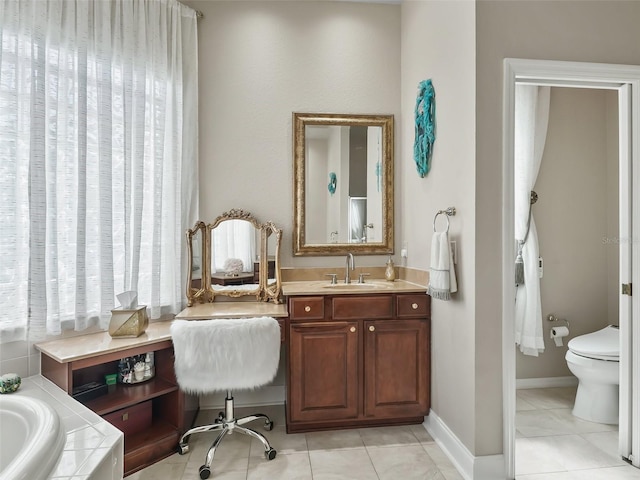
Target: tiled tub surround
(22, 356)
(93, 448)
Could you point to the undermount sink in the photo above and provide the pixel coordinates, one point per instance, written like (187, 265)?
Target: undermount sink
(359, 286)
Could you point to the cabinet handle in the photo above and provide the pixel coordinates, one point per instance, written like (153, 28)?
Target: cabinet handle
(414, 306)
(352, 329)
(307, 309)
(372, 328)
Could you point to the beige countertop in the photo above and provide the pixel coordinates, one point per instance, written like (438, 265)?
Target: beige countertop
(84, 346)
(324, 287)
(70, 349)
(202, 311)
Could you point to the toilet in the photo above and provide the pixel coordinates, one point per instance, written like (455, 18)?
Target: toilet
(595, 358)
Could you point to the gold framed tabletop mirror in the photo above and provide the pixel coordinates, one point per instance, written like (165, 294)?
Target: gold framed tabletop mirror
(233, 260)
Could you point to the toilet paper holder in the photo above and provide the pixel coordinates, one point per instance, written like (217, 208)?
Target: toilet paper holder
(553, 318)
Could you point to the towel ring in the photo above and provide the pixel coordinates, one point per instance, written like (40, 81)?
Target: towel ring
(447, 213)
(436, 217)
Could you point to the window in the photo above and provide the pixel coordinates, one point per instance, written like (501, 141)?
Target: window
(97, 159)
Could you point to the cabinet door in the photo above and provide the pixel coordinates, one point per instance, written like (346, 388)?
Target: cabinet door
(323, 366)
(396, 368)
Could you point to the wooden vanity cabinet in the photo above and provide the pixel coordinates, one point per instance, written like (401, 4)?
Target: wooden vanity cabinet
(357, 360)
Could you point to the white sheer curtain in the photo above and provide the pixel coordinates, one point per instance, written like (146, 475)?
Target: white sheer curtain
(234, 239)
(531, 120)
(98, 159)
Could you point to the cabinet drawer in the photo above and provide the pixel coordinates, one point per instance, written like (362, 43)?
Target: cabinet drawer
(353, 308)
(133, 419)
(306, 308)
(413, 306)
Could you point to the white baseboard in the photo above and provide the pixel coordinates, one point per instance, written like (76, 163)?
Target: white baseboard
(268, 395)
(489, 467)
(546, 382)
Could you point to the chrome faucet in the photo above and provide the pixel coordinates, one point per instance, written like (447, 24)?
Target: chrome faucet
(351, 264)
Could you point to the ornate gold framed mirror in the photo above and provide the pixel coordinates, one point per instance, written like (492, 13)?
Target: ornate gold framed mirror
(343, 184)
(231, 257)
(270, 262)
(196, 291)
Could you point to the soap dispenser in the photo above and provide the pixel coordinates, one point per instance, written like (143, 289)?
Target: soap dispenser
(390, 271)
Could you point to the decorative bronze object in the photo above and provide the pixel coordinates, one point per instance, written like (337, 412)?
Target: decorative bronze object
(128, 323)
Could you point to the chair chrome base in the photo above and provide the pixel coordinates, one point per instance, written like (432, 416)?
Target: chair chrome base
(227, 423)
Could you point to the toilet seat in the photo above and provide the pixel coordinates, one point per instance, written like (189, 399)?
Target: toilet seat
(603, 344)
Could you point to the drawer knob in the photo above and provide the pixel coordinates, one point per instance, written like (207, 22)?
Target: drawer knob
(307, 309)
(372, 328)
(352, 329)
(414, 306)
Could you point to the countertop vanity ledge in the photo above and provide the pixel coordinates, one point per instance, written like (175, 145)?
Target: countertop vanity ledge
(71, 349)
(374, 286)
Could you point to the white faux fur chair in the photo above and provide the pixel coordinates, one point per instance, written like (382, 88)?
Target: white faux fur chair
(226, 354)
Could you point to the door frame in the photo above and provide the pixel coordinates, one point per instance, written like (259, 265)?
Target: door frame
(626, 80)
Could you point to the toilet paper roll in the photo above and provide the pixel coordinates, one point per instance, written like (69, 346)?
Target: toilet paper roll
(558, 333)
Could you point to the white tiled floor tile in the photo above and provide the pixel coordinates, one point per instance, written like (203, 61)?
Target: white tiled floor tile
(281, 441)
(342, 465)
(612, 473)
(162, 471)
(575, 453)
(388, 436)
(442, 461)
(398, 452)
(546, 398)
(407, 462)
(540, 423)
(552, 444)
(535, 455)
(294, 466)
(550, 476)
(421, 433)
(522, 404)
(334, 439)
(605, 441)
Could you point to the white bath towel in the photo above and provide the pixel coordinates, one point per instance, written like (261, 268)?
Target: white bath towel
(442, 275)
(225, 354)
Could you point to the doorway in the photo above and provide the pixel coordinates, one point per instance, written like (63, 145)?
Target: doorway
(625, 81)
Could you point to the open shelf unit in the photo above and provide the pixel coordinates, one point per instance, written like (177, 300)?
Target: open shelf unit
(152, 414)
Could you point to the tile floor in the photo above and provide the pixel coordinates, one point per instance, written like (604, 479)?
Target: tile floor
(392, 453)
(552, 444)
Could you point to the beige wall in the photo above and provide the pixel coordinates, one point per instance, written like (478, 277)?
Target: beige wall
(259, 62)
(596, 31)
(426, 28)
(576, 201)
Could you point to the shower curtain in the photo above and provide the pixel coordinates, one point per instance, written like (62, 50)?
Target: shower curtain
(531, 120)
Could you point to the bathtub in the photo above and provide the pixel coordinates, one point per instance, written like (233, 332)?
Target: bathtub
(31, 438)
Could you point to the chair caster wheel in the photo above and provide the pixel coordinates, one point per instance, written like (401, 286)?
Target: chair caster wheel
(204, 472)
(220, 418)
(270, 454)
(268, 425)
(183, 449)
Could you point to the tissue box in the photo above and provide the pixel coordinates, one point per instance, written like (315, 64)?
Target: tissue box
(128, 322)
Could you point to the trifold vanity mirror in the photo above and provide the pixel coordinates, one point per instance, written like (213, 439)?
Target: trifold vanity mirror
(234, 256)
(343, 184)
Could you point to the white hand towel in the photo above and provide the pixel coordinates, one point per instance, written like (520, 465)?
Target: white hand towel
(442, 275)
